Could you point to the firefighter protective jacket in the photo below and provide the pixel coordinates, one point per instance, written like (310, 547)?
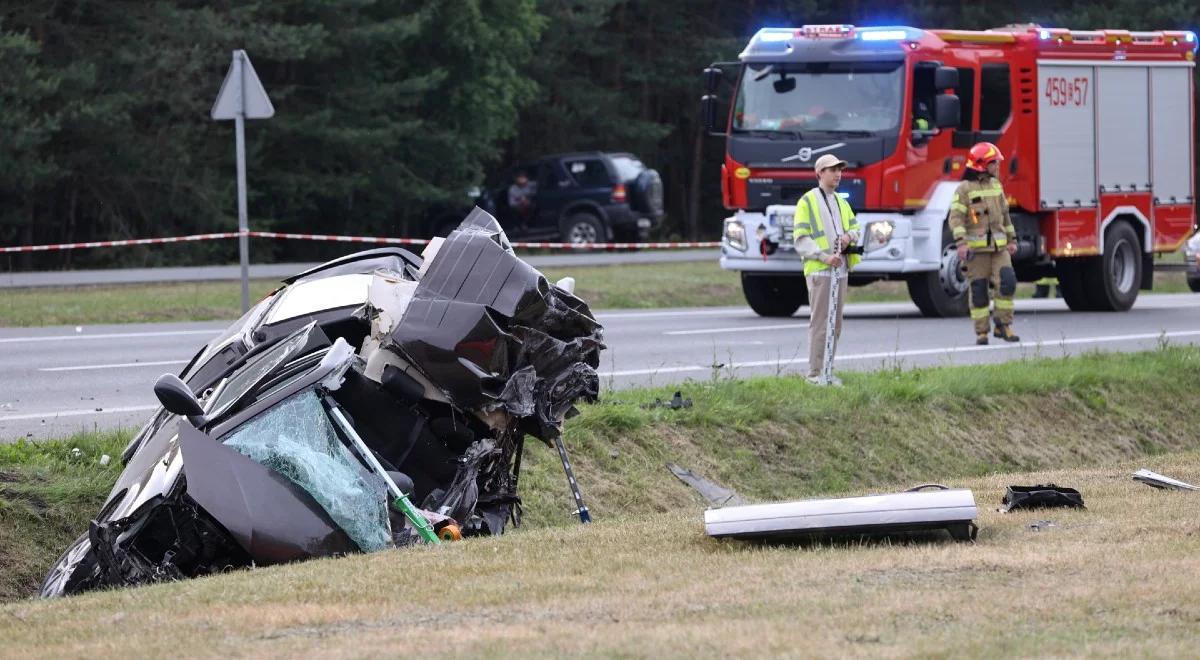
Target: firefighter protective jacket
(979, 216)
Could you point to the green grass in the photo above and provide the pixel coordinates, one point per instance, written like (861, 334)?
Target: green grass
(769, 438)
(633, 286)
(47, 497)
(132, 303)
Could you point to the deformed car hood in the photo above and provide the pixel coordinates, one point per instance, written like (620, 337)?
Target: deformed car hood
(491, 332)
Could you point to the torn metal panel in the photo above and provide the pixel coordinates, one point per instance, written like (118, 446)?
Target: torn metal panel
(950, 509)
(1040, 496)
(297, 440)
(716, 495)
(1157, 480)
(481, 316)
(271, 517)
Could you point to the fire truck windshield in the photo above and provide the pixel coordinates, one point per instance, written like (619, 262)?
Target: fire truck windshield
(834, 97)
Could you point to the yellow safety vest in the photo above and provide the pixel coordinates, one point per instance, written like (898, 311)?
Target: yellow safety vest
(807, 223)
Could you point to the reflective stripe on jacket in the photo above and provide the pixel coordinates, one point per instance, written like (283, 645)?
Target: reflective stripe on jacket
(980, 209)
(806, 223)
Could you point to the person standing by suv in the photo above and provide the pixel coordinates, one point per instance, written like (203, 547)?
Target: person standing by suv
(824, 219)
(520, 197)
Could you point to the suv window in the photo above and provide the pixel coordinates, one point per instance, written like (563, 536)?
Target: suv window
(588, 172)
(628, 168)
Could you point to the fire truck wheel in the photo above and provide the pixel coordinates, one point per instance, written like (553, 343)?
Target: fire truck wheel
(774, 295)
(942, 293)
(1115, 277)
(1072, 284)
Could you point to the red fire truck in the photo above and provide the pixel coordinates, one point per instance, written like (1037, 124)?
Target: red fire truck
(1096, 128)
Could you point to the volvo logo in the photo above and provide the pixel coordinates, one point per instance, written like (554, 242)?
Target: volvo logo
(806, 153)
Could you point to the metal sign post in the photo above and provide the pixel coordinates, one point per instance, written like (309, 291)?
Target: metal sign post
(242, 97)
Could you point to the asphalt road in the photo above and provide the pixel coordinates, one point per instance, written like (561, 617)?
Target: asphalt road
(57, 380)
(233, 272)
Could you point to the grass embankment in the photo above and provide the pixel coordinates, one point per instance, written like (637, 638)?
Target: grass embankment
(47, 497)
(1115, 580)
(633, 286)
(769, 438)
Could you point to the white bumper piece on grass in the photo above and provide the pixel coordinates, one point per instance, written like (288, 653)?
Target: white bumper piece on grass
(951, 509)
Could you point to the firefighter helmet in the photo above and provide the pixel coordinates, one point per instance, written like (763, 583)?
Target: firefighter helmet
(981, 155)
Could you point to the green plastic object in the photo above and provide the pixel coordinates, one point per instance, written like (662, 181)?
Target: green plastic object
(424, 529)
(399, 499)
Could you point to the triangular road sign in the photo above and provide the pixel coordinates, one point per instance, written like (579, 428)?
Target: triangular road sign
(244, 92)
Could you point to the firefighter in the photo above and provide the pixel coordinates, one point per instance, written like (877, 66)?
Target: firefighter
(986, 240)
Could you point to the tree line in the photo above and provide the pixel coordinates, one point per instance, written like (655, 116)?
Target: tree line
(384, 108)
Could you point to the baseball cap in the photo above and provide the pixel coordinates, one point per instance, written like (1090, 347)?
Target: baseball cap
(827, 161)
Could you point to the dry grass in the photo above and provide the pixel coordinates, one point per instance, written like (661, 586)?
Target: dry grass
(1114, 580)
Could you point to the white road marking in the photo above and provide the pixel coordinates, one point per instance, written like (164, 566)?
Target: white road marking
(74, 413)
(116, 335)
(739, 311)
(947, 350)
(123, 365)
(707, 331)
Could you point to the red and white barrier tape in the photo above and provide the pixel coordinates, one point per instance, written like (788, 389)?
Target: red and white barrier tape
(131, 241)
(339, 239)
(352, 239)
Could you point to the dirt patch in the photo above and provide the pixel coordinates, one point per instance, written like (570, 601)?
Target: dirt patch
(36, 503)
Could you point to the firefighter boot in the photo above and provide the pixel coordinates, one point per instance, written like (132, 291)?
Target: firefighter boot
(1004, 331)
(981, 338)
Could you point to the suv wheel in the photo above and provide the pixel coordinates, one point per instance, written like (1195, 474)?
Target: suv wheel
(582, 228)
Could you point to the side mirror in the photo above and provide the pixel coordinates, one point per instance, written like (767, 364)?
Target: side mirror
(712, 78)
(946, 111)
(178, 398)
(945, 77)
(708, 112)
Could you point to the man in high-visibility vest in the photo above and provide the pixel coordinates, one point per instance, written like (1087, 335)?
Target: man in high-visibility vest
(986, 240)
(823, 227)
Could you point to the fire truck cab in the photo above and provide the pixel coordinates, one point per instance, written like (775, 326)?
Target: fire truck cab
(1096, 128)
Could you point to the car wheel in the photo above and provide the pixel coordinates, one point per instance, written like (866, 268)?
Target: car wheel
(1194, 284)
(74, 571)
(582, 228)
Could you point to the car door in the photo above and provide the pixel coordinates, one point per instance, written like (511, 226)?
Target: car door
(554, 190)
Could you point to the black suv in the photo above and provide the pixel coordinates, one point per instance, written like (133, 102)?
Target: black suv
(587, 197)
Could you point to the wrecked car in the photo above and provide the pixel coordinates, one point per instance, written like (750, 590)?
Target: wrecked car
(376, 400)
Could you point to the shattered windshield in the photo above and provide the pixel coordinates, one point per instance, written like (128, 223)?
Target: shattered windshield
(820, 97)
(297, 440)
